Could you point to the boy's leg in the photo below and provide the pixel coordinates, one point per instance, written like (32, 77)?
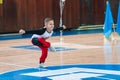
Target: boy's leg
(44, 43)
(44, 48)
(44, 54)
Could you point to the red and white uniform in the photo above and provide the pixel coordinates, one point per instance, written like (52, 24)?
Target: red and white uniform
(39, 38)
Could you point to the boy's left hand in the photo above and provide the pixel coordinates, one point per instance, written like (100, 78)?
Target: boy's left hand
(21, 31)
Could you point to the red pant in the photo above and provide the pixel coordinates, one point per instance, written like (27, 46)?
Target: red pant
(44, 47)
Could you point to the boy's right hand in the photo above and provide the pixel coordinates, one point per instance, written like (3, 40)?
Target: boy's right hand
(64, 27)
(21, 31)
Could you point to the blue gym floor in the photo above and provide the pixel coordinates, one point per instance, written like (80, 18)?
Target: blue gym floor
(66, 72)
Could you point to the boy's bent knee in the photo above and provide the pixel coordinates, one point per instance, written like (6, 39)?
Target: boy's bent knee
(36, 42)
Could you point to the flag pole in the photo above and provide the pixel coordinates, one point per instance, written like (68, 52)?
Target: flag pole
(114, 33)
(62, 3)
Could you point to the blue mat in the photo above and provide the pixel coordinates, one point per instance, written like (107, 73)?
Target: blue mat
(31, 47)
(74, 71)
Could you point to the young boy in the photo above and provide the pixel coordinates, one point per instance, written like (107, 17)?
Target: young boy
(40, 36)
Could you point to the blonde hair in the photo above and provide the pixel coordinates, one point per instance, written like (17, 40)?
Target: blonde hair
(46, 20)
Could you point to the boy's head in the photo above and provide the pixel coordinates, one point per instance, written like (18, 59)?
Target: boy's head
(49, 23)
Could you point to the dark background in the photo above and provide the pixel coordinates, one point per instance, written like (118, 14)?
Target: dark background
(29, 14)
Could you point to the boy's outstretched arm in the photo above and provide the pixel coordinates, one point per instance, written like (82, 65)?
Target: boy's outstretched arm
(60, 28)
(38, 31)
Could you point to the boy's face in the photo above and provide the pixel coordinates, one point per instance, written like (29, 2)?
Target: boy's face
(49, 25)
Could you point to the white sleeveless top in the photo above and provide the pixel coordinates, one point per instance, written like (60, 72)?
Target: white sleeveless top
(44, 35)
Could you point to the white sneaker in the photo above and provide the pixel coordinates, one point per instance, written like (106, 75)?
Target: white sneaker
(41, 65)
(52, 49)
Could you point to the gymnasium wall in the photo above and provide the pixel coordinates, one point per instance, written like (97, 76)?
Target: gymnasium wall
(29, 14)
